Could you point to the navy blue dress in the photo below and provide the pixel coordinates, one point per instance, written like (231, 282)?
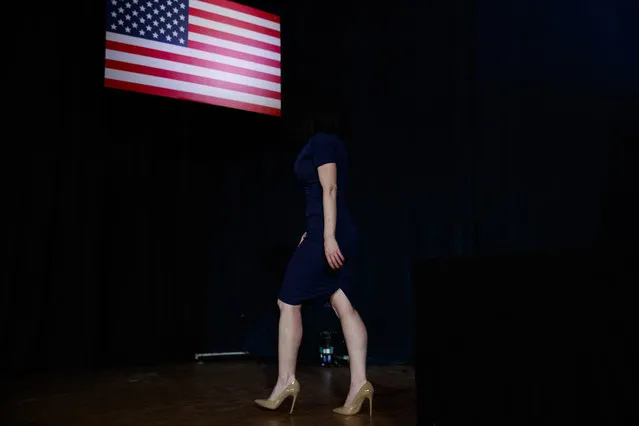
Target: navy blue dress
(309, 275)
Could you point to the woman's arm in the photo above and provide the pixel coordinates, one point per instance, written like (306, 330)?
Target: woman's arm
(328, 179)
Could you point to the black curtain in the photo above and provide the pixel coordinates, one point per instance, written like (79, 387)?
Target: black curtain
(120, 210)
(118, 227)
(532, 324)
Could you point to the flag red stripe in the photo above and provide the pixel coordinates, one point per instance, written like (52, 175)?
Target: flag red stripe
(142, 69)
(244, 9)
(233, 54)
(177, 94)
(145, 51)
(232, 37)
(232, 21)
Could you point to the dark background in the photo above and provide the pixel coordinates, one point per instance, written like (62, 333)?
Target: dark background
(144, 230)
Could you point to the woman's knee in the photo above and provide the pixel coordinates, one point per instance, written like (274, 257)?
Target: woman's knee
(343, 311)
(341, 305)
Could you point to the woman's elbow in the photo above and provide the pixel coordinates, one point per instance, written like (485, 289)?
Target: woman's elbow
(330, 189)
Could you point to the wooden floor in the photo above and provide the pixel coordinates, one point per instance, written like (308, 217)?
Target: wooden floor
(212, 393)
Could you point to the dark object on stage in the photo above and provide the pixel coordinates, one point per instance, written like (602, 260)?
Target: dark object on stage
(531, 339)
(329, 355)
(326, 349)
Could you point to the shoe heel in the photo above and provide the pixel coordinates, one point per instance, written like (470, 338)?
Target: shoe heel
(293, 404)
(370, 405)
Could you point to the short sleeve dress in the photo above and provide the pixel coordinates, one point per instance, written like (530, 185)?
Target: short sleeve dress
(309, 275)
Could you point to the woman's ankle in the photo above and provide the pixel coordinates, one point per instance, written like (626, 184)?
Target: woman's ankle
(286, 378)
(358, 381)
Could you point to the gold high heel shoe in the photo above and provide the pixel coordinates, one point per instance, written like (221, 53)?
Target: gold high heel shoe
(365, 392)
(292, 390)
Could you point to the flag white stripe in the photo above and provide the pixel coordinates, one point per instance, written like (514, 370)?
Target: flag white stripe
(183, 86)
(231, 29)
(164, 64)
(193, 53)
(214, 41)
(234, 14)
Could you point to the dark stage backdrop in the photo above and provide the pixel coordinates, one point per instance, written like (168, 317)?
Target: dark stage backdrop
(143, 229)
(121, 209)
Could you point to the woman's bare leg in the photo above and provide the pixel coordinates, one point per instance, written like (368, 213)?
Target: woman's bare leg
(356, 340)
(289, 339)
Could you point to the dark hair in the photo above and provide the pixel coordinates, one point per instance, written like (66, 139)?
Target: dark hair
(321, 114)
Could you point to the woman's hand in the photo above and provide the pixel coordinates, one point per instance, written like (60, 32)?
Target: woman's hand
(333, 254)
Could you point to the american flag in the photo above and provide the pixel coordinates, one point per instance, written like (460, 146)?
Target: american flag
(211, 51)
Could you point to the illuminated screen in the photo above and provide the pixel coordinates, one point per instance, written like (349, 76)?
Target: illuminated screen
(211, 51)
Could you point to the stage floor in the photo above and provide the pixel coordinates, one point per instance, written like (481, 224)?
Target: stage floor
(211, 393)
